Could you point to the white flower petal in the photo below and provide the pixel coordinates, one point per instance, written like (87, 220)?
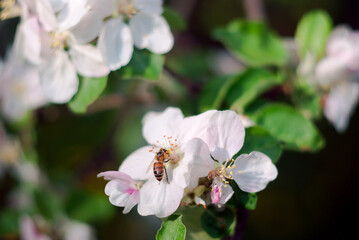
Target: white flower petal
(71, 14)
(77, 230)
(341, 103)
(88, 60)
(196, 163)
(226, 194)
(158, 124)
(159, 198)
(115, 43)
(46, 15)
(151, 32)
(58, 78)
(137, 163)
(330, 70)
(222, 131)
(27, 43)
(256, 171)
(149, 6)
(88, 28)
(57, 4)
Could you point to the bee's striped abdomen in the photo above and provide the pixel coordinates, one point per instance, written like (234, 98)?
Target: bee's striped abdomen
(158, 170)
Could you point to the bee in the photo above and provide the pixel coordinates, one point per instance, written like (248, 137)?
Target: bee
(159, 169)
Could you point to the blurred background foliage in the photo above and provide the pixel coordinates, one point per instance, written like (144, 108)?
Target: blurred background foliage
(314, 196)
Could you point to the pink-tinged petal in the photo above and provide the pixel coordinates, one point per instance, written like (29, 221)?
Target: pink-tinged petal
(216, 194)
(46, 15)
(137, 164)
(222, 131)
(115, 43)
(122, 189)
(58, 78)
(88, 28)
(156, 125)
(341, 103)
(71, 14)
(254, 171)
(196, 163)
(123, 177)
(28, 230)
(151, 32)
(149, 6)
(131, 202)
(27, 43)
(88, 60)
(159, 198)
(220, 193)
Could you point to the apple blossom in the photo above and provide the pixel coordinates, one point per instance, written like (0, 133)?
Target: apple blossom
(73, 230)
(224, 135)
(146, 28)
(162, 198)
(29, 230)
(122, 189)
(338, 73)
(20, 88)
(59, 68)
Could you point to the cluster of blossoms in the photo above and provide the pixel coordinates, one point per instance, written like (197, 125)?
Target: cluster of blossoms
(336, 75)
(58, 39)
(200, 153)
(12, 161)
(38, 229)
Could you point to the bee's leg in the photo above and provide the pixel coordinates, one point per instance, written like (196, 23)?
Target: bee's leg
(166, 173)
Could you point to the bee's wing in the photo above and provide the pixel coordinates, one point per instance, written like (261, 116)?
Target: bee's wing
(150, 165)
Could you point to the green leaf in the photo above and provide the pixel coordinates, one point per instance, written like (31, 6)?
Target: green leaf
(214, 92)
(290, 126)
(259, 139)
(143, 64)
(172, 229)
(218, 223)
(307, 99)
(9, 222)
(89, 90)
(249, 85)
(312, 33)
(88, 207)
(244, 199)
(253, 43)
(192, 220)
(48, 203)
(175, 20)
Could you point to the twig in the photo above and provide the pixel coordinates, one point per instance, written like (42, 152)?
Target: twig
(254, 9)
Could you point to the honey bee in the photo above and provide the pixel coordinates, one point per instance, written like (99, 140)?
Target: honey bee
(159, 169)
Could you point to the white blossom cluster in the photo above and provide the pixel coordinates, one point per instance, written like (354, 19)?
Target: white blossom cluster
(57, 40)
(201, 152)
(336, 75)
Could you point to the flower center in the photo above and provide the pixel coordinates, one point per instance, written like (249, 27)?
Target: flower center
(169, 149)
(126, 8)
(223, 172)
(58, 40)
(9, 9)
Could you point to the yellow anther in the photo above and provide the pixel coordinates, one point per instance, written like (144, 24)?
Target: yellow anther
(240, 171)
(231, 173)
(225, 185)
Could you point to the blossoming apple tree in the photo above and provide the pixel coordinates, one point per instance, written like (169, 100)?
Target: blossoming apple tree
(97, 62)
